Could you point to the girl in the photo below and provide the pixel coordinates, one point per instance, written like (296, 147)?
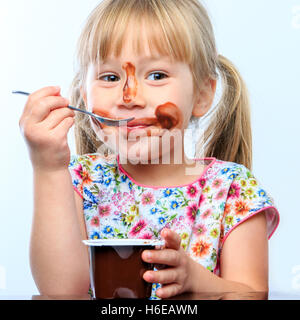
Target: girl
(156, 61)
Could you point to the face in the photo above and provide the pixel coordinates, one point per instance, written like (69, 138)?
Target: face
(153, 89)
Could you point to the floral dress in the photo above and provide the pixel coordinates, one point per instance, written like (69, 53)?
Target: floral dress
(203, 212)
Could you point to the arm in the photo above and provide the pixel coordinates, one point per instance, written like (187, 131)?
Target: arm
(246, 252)
(244, 263)
(58, 258)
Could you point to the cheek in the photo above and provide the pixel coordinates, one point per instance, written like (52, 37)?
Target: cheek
(181, 95)
(186, 115)
(99, 102)
(186, 106)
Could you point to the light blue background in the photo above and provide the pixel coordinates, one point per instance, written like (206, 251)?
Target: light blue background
(262, 38)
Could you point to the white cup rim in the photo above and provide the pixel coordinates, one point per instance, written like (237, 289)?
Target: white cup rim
(124, 242)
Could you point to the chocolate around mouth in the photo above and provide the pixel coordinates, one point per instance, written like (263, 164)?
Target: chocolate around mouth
(167, 116)
(142, 122)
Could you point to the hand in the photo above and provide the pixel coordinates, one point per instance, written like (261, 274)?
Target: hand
(45, 123)
(177, 277)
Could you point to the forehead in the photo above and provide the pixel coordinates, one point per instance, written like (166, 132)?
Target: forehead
(140, 39)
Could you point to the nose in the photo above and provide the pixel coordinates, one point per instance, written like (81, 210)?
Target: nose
(128, 100)
(134, 103)
(131, 95)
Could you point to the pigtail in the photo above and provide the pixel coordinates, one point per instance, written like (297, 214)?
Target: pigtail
(229, 133)
(85, 137)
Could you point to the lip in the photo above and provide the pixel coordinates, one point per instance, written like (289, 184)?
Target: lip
(141, 131)
(142, 122)
(142, 127)
(136, 127)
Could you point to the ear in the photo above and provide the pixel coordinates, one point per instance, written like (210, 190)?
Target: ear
(204, 98)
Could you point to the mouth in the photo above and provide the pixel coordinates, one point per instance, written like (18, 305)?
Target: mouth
(142, 127)
(142, 122)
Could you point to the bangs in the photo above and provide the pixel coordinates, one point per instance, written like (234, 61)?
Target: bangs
(166, 34)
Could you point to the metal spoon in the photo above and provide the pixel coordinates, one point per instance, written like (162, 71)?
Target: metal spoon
(108, 121)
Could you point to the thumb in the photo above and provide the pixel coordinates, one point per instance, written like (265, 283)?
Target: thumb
(172, 239)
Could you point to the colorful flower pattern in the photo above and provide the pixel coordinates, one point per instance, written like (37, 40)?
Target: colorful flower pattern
(203, 213)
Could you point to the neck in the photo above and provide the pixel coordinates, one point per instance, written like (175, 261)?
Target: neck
(163, 174)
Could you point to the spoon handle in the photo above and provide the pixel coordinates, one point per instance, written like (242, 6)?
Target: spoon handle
(110, 122)
(88, 113)
(21, 92)
(73, 108)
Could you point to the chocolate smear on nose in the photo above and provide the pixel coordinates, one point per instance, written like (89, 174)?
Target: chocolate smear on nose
(130, 88)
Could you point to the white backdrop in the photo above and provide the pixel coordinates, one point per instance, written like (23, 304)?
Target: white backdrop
(261, 37)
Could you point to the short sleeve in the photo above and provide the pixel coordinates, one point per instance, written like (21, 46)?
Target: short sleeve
(246, 198)
(76, 171)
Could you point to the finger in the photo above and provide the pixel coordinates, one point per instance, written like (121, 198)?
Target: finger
(64, 126)
(169, 290)
(41, 93)
(165, 276)
(41, 108)
(172, 239)
(44, 92)
(56, 117)
(169, 257)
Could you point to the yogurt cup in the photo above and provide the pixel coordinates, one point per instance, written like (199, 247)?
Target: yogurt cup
(117, 268)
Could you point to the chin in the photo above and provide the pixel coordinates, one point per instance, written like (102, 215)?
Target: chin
(141, 152)
(144, 151)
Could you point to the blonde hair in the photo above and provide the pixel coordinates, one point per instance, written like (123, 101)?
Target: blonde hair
(182, 30)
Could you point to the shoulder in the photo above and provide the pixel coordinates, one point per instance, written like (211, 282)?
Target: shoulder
(91, 168)
(231, 169)
(222, 174)
(89, 172)
(246, 197)
(246, 186)
(237, 174)
(92, 161)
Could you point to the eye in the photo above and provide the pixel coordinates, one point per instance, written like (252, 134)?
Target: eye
(157, 75)
(109, 78)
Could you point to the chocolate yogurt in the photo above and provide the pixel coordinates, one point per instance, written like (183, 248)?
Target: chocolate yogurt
(117, 268)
